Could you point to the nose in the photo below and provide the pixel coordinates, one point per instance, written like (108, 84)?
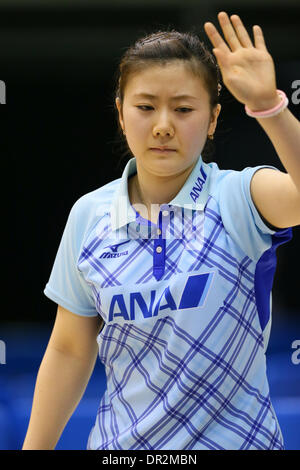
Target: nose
(163, 128)
(163, 132)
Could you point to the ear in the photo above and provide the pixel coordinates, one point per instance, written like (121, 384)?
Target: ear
(119, 106)
(214, 119)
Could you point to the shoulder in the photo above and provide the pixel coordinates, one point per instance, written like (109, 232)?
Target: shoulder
(88, 209)
(230, 184)
(216, 178)
(96, 202)
(231, 192)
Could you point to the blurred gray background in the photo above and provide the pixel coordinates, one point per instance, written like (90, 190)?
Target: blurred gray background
(58, 60)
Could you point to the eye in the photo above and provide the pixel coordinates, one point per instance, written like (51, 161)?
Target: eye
(142, 107)
(185, 110)
(149, 108)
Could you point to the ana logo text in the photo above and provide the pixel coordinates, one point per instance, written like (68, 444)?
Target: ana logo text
(129, 306)
(196, 190)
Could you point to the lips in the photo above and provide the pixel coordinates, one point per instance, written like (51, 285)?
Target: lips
(162, 150)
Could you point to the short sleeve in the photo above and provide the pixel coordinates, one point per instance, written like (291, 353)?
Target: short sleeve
(67, 286)
(240, 217)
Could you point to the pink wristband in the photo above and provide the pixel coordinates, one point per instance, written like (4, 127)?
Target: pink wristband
(270, 112)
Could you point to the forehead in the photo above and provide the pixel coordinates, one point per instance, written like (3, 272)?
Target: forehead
(171, 79)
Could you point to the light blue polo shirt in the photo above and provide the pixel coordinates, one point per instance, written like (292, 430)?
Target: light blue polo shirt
(186, 305)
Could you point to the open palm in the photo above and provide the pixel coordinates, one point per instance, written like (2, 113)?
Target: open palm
(247, 69)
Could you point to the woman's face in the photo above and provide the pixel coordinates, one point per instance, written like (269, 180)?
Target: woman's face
(167, 118)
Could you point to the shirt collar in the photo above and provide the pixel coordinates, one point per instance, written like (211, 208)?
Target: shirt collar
(193, 194)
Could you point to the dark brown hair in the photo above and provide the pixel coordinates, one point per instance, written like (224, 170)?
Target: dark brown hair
(163, 47)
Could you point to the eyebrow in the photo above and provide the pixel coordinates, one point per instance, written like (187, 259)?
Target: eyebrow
(153, 97)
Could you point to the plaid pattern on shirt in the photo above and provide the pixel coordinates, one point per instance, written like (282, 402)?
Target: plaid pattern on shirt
(186, 325)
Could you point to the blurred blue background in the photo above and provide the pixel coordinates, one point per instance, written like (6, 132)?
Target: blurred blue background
(59, 141)
(25, 345)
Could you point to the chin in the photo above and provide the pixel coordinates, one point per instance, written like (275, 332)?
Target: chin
(164, 168)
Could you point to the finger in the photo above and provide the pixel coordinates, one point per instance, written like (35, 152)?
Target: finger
(221, 59)
(228, 31)
(259, 40)
(215, 38)
(241, 31)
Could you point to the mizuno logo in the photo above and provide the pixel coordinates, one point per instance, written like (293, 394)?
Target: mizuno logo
(152, 303)
(114, 249)
(113, 255)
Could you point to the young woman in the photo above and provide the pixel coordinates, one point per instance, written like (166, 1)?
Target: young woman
(174, 261)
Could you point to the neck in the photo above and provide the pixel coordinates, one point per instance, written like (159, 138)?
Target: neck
(149, 191)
